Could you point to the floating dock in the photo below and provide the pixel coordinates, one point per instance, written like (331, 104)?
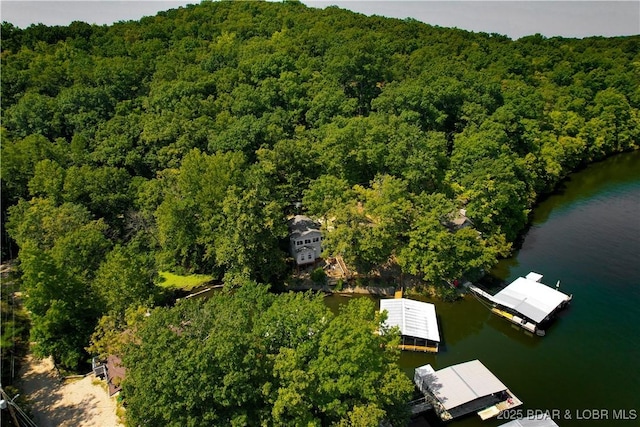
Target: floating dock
(417, 322)
(464, 388)
(526, 302)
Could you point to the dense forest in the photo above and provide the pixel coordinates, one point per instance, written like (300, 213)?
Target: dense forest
(184, 141)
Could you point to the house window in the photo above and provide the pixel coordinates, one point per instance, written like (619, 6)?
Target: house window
(307, 241)
(299, 242)
(309, 257)
(316, 239)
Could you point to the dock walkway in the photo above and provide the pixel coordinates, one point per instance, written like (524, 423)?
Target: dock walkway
(419, 406)
(425, 349)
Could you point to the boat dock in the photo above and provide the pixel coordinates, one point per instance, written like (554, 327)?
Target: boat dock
(416, 320)
(493, 411)
(529, 326)
(418, 348)
(532, 421)
(463, 389)
(526, 302)
(419, 406)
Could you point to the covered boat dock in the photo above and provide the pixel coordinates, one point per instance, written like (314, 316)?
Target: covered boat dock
(464, 388)
(417, 322)
(527, 302)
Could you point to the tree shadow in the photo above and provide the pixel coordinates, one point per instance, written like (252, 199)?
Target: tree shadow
(74, 414)
(54, 403)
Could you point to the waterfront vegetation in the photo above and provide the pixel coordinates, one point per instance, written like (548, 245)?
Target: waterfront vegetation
(182, 142)
(253, 358)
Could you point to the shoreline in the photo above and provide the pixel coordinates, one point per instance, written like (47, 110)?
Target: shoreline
(345, 291)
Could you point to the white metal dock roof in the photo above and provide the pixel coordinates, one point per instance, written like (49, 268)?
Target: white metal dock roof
(414, 318)
(528, 296)
(542, 421)
(459, 384)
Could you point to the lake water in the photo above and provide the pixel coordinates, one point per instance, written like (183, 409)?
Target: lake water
(588, 365)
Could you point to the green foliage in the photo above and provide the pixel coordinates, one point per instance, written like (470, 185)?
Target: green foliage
(104, 190)
(126, 278)
(14, 340)
(326, 196)
(318, 276)
(252, 358)
(251, 228)
(367, 230)
(19, 160)
(61, 249)
(48, 180)
(354, 366)
(185, 140)
(111, 334)
(62, 311)
(191, 212)
(40, 222)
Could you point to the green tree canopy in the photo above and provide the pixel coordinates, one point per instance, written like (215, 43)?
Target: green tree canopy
(185, 140)
(250, 358)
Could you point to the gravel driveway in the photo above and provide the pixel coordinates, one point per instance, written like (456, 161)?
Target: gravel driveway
(73, 403)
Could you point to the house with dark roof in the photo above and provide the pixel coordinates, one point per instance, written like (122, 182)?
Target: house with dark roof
(112, 371)
(305, 239)
(115, 374)
(458, 220)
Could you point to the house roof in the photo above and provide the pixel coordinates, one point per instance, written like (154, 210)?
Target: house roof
(528, 296)
(457, 220)
(541, 421)
(414, 318)
(301, 225)
(459, 384)
(115, 374)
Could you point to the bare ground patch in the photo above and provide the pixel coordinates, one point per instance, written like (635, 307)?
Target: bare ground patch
(72, 403)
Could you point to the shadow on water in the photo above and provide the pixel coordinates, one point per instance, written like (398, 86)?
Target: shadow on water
(582, 185)
(460, 319)
(588, 182)
(514, 332)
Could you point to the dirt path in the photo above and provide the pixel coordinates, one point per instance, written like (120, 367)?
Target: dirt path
(74, 403)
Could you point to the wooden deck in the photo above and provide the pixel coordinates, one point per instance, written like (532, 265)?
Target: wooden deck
(424, 349)
(511, 402)
(343, 267)
(500, 407)
(490, 412)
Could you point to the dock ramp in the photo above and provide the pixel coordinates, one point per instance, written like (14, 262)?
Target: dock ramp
(476, 290)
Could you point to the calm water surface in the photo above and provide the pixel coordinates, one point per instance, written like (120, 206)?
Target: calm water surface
(588, 237)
